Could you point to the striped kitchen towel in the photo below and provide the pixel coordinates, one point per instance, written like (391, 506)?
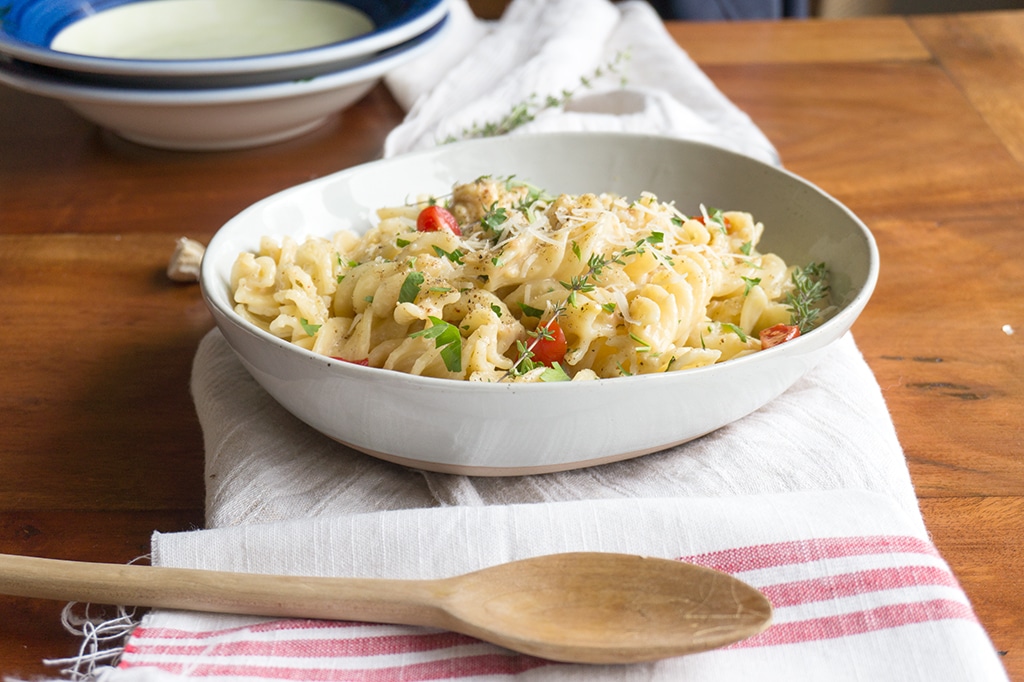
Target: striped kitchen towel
(858, 593)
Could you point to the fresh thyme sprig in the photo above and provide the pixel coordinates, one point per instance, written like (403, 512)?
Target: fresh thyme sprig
(810, 285)
(522, 113)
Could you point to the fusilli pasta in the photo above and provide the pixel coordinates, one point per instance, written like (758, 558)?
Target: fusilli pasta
(634, 286)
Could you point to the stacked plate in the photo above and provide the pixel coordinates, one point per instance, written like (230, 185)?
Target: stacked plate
(210, 74)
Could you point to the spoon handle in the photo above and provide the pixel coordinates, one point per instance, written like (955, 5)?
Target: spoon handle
(378, 600)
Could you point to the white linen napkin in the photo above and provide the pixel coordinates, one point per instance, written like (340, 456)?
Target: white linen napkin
(544, 48)
(808, 499)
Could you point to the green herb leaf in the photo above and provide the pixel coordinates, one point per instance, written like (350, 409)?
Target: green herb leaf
(494, 218)
(750, 283)
(310, 329)
(530, 311)
(447, 338)
(454, 256)
(554, 373)
(451, 354)
(642, 346)
(735, 330)
(810, 285)
(410, 287)
(524, 363)
(716, 216)
(527, 110)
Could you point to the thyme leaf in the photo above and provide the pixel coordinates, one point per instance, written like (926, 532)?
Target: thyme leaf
(810, 286)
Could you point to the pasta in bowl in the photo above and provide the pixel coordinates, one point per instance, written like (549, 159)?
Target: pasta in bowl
(555, 290)
(503, 281)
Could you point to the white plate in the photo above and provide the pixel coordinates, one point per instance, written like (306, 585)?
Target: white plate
(510, 429)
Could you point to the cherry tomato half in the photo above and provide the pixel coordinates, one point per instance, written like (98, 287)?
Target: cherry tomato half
(433, 218)
(780, 333)
(550, 348)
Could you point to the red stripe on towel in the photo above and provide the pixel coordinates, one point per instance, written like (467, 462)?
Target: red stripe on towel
(859, 622)
(755, 557)
(859, 582)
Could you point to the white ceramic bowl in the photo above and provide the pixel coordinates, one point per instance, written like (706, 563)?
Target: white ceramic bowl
(219, 118)
(510, 429)
(188, 43)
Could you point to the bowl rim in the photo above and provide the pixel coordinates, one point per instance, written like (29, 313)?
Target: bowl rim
(24, 77)
(424, 15)
(846, 315)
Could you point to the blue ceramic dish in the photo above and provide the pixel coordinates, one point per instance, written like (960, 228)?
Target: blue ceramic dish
(218, 118)
(28, 29)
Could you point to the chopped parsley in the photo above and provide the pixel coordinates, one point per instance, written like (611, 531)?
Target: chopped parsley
(530, 311)
(446, 337)
(735, 330)
(410, 287)
(750, 283)
(454, 256)
(310, 329)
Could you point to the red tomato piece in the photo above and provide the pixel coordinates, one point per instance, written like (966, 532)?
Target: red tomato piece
(780, 333)
(725, 221)
(365, 362)
(550, 350)
(434, 218)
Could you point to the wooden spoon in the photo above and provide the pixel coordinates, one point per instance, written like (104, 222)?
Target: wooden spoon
(585, 607)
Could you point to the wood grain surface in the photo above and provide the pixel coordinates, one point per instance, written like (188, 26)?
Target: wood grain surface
(915, 123)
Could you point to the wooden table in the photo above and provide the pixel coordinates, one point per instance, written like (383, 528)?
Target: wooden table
(915, 123)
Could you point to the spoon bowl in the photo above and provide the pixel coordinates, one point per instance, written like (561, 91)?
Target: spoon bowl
(606, 608)
(581, 607)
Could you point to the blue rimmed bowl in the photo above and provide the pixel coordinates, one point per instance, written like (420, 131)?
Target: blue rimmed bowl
(206, 43)
(207, 119)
